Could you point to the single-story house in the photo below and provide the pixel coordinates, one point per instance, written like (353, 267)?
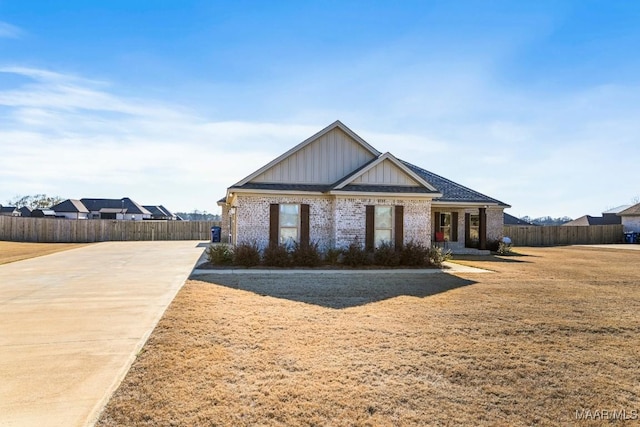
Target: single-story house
(124, 208)
(9, 211)
(609, 217)
(71, 209)
(25, 211)
(630, 218)
(512, 220)
(334, 188)
(43, 213)
(159, 212)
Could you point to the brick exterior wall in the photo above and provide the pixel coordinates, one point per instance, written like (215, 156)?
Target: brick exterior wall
(335, 222)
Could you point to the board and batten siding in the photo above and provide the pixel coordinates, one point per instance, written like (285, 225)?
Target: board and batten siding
(324, 161)
(386, 173)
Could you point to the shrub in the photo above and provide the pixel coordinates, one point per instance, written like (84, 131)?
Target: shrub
(246, 255)
(276, 256)
(220, 255)
(437, 256)
(355, 255)
(493, 245)
(504, 248)
(414, 255)
(386, 255)
(305, 255)
(332, 256)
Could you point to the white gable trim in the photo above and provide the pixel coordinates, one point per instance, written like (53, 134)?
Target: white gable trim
(379, 160)
(337, 124)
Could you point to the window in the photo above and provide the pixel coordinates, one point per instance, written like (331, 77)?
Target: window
(474, 228)
(383, 225)
(444, 225)
(289, 224)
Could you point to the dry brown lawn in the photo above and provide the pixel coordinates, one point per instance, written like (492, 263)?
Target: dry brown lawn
(16, 251)
(549, 333)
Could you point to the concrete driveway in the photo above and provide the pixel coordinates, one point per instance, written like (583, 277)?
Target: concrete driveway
(72, 323)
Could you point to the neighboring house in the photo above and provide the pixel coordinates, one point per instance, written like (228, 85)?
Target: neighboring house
(9, 211)
(609, 217)
(71, 209)
(43, 213)
(334, 188)
(124, 208)
(630, 218)
(25, 211)
(512, 220)
(159, 212)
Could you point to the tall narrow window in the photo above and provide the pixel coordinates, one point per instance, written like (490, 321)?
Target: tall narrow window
(474, 229)
(445, 225)
(383, 225)
(289, 223)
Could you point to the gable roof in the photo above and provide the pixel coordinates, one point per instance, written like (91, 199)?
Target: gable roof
(378, 164)
(115, 205)
(8, 209)
(368, 177)
(70, 205)
(632, 211)
(512, 220)
(307, 142)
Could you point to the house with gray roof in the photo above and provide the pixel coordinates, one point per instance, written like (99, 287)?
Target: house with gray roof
(71, 209)
(9, 211)
(609, 217)
(334, 188)
(630, 218)
(159, 212)
(124, 208)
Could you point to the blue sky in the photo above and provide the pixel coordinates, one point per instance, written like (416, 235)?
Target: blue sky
(535, 103)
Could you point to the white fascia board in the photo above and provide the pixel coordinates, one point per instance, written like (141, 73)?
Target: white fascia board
(396, 162)
(381, 194)
(336, 124)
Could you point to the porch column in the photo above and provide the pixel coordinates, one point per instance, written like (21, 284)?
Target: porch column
(482, 229)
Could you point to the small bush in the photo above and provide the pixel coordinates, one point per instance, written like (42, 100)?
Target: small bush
(493, 245)
(437, 256)
(414, 255)
(386, 255)
(276, 256)
(332, 256)
(355, 255)
(246, 255)
(220, 255)
(305, 255)
(504, 248)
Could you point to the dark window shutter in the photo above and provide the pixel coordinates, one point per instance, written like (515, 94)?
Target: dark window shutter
(304, 225)
(454, 226)
(274, 224)
(399, 227)
(369, 227)
(436, 224)
(467, 229)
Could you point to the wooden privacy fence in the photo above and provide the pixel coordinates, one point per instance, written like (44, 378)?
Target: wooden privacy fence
(48, 230)
(564, 235)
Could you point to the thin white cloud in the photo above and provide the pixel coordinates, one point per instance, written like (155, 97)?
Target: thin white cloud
(10, 31)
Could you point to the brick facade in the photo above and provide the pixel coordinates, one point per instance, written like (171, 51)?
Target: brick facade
(334, 222)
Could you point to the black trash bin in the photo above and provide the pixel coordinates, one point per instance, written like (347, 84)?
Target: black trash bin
(630, 237)
(216, 232)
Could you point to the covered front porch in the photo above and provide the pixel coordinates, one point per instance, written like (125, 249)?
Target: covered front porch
(466, 229)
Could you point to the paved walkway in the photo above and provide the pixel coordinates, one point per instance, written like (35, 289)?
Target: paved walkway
(622, 246)
(71, 324)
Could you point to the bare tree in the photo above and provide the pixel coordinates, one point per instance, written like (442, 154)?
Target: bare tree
(36, 201)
